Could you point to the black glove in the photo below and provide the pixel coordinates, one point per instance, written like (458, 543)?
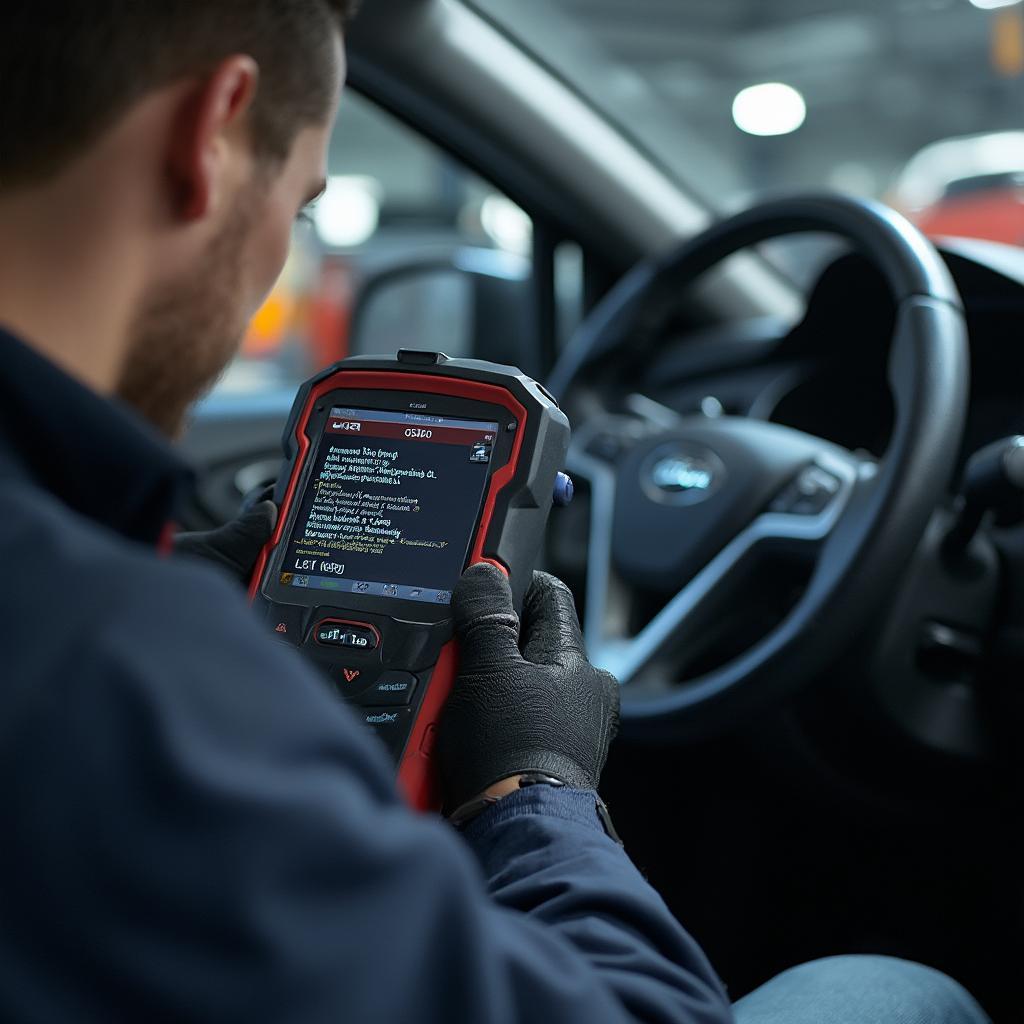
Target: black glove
(235, 546)
(545, 710)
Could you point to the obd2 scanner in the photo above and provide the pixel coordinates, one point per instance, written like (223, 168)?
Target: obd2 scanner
(398, 474)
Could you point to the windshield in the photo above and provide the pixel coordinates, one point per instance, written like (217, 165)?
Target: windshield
(916, 102)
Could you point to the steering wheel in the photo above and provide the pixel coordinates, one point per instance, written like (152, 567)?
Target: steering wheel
(690, 504)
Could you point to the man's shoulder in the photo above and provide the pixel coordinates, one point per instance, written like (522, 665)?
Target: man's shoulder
(96, 621)
(79, 596)
(148, 683)
(56, 559)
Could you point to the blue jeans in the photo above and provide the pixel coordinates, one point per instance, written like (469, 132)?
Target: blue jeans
(860, 990)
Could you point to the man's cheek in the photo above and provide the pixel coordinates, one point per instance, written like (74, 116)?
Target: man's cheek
(269, 260)
(268, 248)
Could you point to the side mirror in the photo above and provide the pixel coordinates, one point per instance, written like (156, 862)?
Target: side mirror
(473, 303)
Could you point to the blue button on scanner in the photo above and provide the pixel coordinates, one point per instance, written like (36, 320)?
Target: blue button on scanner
(564, 490)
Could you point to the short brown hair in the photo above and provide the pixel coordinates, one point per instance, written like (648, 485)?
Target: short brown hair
(70, 68)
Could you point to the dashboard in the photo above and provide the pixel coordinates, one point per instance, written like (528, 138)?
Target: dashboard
(827, 375)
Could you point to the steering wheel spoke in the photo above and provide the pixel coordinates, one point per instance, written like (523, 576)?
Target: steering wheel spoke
(794, 524)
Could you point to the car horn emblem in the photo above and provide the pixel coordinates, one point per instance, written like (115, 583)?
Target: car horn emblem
(680, 476)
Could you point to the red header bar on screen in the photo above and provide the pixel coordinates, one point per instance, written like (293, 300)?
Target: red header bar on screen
(353, 427)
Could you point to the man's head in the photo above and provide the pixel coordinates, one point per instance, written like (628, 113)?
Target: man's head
(201, 128)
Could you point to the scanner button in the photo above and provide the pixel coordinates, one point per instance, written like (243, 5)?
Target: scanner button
(391, 689)
(351, 680)
(332, 633)
(390, 724)
(429, 740)
(286, 622)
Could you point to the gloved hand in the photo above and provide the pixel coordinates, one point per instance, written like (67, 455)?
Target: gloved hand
(546, 709)
(235, 546)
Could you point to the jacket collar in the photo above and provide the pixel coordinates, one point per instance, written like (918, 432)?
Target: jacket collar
(94, 454)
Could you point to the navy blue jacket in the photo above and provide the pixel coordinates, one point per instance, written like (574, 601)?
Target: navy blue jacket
(194, 828)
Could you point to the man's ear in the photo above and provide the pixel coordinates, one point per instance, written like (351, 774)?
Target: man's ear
(210, 120)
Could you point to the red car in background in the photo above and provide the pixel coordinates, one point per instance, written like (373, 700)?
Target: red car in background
(985, 206)
(966, 187)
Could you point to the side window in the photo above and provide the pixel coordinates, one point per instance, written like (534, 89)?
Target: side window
(397, 211)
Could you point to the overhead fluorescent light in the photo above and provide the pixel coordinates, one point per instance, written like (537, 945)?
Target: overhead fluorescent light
(772, 108)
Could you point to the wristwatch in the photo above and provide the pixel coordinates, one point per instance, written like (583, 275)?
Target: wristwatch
(463, 815)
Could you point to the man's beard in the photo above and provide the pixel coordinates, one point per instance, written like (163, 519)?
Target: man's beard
(186, 334)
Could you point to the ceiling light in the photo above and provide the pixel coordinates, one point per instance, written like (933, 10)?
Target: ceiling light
(509, 227)
(771, 108)
(348, 212)
(991, 5)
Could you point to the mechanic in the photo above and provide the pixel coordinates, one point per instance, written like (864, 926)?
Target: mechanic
(194, 827)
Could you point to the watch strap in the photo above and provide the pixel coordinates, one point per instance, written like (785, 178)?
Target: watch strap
(463, 815)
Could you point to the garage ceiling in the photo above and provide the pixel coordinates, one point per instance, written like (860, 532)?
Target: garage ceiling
(881, 78)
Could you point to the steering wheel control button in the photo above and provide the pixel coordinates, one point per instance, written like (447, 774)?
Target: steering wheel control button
(391, 689)
(390, 724)
(332, 633)
(809, 495)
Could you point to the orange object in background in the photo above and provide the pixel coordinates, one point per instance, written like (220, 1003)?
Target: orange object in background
(1008, 42)
(270, 326)
(308, 312)
(330, 312)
